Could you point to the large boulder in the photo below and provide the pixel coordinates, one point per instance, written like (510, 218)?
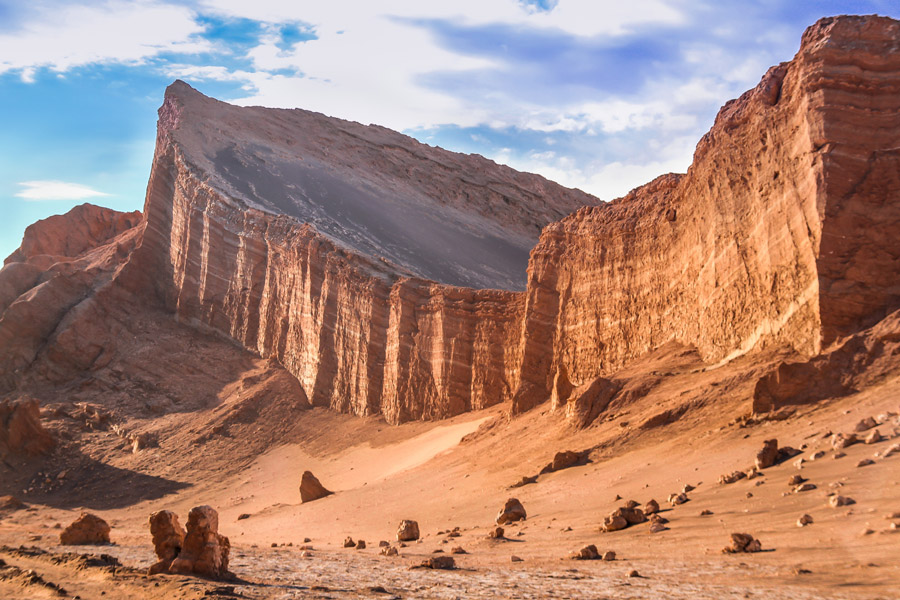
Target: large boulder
(408, 531)
(86, 529)
(168, 539)
(511, 511)
(311, 489)
(21, 431)
(768, 455)
(205, 551)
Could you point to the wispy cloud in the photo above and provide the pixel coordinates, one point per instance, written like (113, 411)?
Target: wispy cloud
(56, 190)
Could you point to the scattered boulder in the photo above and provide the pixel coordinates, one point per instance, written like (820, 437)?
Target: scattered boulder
(349, 543)
(657, 527)
(632, 504)
(11, 503)
(311, 489)
(360, 544)
(804, 520)
(796, 480)
(651, 508)
(874, 437)
(614, 522)
(496, 533)
(408, 531)
(389, 551)
(732, 477)
(205, 550)
(817, 455)
(839, 441)
(168, 539)
(439, 562)
(609, 556)
(86, 529)
(587, 553)
(563, 460)
(742, 542)
(838, 500)
(867, 423)
(804, 487)
(458, 550)
(21, 431)
(524, 481)
(768, 455)
(512, 511)
(787, 452)
(676, 499)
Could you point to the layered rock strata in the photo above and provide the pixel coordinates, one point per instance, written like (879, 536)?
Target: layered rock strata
(358, 258)
(782, 232)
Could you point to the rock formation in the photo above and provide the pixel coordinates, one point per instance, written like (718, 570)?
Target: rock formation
(86, 529)
(512, 511)
(21, 431)
(343, 252)
(311, 489)
(407, 531)
(168, 539)
(205, 550)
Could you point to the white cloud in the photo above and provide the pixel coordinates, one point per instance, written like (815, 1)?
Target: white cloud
(61, 37)
(56, 190)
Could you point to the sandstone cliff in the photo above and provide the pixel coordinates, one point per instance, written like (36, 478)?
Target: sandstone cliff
(782, 232)
(360, 259)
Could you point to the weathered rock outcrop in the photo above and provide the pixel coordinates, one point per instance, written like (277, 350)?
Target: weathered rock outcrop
(168, 539)
(86, 529)
(358, 258)
(311, 489)
(782, 232)
(21, 431)
(205, 550)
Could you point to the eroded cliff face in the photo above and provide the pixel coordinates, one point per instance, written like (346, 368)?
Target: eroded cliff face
(360, 259)
(783, 231)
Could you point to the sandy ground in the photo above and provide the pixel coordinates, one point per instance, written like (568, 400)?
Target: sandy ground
(231, 436)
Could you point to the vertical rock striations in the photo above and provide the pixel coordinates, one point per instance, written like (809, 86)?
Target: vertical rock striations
(782, 232)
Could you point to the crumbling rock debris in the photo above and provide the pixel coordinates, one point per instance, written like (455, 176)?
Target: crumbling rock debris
(512, 511)
(168, 539)
(742, 542)
(205, 551)
(311, 489)
(732, 477)
(86, 529)
(408, 531)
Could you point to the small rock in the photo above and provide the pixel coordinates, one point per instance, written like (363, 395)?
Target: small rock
(804, 487)
(705, 513)
(383, 544)
(587, 553)
(458, 550)
(408, 531)
(496, 533)
(634, 573)
(243, 516)
(742, 542)
(865, 462)
(767, 456)
(389, 551)
(86, 529)
(676, 499)
(874, 437)
(732, 477)
(609, 556)
(361, 545)
(838, 500)
(796, 480)
(657, 527)
(804, 520)
(348, 542)
(512, 511)
(515, 558)
(311, 489)
(651, 508)
(817, 455)
(867, 423)
(439, 562)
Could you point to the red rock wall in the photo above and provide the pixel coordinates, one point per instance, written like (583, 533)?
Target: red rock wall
(783, 231)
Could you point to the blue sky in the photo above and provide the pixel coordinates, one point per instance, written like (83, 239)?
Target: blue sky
(596, 94)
